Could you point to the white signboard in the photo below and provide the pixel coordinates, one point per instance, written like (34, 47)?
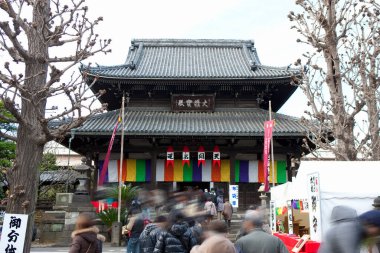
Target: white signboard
(273, 217)
(13, 233)
(234, 195)
(314, 194)
(290, 217)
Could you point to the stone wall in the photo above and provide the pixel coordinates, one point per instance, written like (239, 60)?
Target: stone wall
(56, 227)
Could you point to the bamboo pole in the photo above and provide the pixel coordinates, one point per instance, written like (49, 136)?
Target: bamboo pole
(121, 160)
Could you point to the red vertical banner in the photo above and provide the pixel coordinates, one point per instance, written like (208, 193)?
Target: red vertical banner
(268, 130)
(185, 156)
(103, 173)
(216, 157)
(170, 156)
(201, 156)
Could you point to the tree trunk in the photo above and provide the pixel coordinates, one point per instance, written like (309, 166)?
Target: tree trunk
(343, 126)
(24, 177)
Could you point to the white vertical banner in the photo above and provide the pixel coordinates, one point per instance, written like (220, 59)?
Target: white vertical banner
(290, 217)
(273, 218)
(13, 233)
(234, 195)
(314, 202)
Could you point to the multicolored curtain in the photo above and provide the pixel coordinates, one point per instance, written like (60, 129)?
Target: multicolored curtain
(134, 170)
(246, 171)
(193, 173)
(280, 172)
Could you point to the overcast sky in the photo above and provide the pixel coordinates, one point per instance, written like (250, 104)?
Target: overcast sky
(263, 21)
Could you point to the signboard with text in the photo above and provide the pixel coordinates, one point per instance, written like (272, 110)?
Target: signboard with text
(234, 195)
(314, 206)
(13, 233)
(273, 218)
(193, 103)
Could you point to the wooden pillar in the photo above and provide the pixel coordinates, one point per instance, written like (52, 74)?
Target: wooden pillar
(288, 167)
(153, 173)
(232, 166)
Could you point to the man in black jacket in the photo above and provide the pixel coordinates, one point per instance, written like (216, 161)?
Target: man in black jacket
(178, 238)
(151, 233)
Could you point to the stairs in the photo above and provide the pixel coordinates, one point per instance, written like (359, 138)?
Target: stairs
(236, 223)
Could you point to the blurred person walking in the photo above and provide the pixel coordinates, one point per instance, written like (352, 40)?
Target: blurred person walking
(151, 233)
(216, 240)
(349, 230)
(257, 240)
(133, 229)
(86, 237)
(227, 212)
(178, 237)
(220, 205)
(210, 209)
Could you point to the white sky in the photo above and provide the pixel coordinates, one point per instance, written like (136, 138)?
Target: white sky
(263, 21)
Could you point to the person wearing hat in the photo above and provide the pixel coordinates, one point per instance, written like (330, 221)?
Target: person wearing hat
(257, 240)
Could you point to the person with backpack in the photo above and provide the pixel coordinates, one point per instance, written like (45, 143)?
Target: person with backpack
(210, 209)
(177, 238)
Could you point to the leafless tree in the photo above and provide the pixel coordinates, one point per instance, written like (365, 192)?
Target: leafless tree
(44, 40)
(341, 74)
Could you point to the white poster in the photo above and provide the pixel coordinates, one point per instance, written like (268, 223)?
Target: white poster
(234, 195)
(314, 194)
(273, 217)
(290, 217)
(13, 233)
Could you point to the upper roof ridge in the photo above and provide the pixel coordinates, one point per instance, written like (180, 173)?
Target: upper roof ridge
(194, 42)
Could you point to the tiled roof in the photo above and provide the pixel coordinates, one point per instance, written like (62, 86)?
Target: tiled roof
(192, 59)
(222, 122)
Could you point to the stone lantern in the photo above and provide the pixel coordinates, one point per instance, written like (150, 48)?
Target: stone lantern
(83, 188)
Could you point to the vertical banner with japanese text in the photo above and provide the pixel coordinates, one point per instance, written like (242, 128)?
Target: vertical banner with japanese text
(314, 206)
(272, 213)
(234, 195)
(13, 233)
(268, 129)
(290, 217)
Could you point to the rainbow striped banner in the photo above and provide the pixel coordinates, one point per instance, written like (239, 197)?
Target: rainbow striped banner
(193, 173)
(246, 171)
(134, 170)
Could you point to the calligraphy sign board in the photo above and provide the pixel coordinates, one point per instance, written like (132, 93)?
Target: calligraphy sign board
(272, 213)
(193, 103)
(234, 195)
(13, 234)
(314, 200)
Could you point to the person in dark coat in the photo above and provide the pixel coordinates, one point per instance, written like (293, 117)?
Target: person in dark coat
(178, 237)
(151, 233)
(85, 237)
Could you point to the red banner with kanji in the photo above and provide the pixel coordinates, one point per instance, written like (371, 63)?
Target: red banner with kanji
(268, 130)
(185, 156)
(170, 156)
(216, 157)
(201, 156)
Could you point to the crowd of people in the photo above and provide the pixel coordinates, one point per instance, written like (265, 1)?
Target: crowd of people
(199, 221)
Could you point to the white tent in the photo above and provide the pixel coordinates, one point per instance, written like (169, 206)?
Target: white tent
(355, 184)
